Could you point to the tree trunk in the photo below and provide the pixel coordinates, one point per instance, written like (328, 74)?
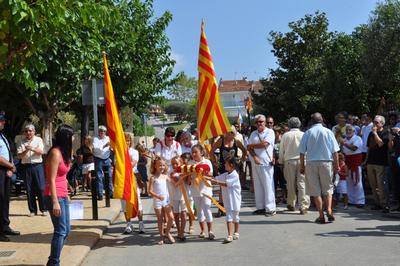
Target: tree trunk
(47, 132)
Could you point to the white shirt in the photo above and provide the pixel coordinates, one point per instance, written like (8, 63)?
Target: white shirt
(98, 148)
(31, 157)
(202, 188)
(365, 130)
(265, 154)
(354, 140)
(289, 146)
(167, 153)
(186, 149)
(232, 192)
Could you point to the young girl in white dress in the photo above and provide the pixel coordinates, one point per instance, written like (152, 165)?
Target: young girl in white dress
(159, 191)
(231, 193)
(202, 203)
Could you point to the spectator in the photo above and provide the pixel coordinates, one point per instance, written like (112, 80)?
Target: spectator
(85, 152)
(269, 122)
(289, 157)
(321, 148)
(56, 192)
(7, 168)
(187, 142)
(260, 147)
(351, 147)
(340, 128)
(168, 148)
(377, 160)
(365, 130)
(279, 180)
(30, 150)
(101, 153)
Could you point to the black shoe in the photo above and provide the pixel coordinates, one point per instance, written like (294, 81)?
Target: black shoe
(376, 208)
(259, 212)
(386, 209)
(4, 238)
(100, 198)
(11, 232)
(360, 206)
(331, 218)
(320, 220)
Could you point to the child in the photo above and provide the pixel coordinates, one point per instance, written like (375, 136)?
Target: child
(159, 191)
(341, 188)
(142, 166)
(178, 203)
(134, 156)
(231, 193)
(203, 203)
(186, 157)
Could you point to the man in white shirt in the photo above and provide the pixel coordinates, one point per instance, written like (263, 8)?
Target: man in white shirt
(260, 147)
(102, 152)
(30, 150)
(289, 157)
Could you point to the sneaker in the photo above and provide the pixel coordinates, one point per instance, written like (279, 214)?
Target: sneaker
(202, 235)
(235, 236)
(211, 236)
(45, 213)
(346, 207)
(386, 209)
(141, 228)
(259, 212)
(31, 214)
(270, 213)
(128, 229)
(228, 240)
(303, 211)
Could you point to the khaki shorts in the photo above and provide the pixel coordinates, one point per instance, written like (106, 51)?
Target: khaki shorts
(319, 175)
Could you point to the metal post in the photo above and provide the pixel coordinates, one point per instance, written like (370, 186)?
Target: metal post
(95, 213)
(107, 185)
(94, 99)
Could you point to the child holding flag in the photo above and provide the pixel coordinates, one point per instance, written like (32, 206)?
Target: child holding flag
(159, 191)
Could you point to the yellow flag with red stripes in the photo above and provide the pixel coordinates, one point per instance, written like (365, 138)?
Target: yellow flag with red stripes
(211, 118)
(123, 176)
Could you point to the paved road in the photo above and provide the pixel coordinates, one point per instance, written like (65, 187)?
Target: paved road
(357, 237)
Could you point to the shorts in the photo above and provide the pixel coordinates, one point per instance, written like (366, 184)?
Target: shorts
(342, 187)
(232, 216)
(319, 175)
(87, 167)
(158, 204)
(178, 206)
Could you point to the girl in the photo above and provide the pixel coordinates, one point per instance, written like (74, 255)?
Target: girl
(159, 191)
(178, 203)
(186, 157)
(341, 188)
(231, 193)
(203, 204)
(142, 167)
(56, 191)
(134, 156)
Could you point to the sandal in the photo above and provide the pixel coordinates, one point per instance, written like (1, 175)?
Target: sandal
(228, 240)
(235, 236)
(171, 238)
(320, 220)
(161, 242)
(202, 235)
(211, 235)
(191, 230)
(331, 218)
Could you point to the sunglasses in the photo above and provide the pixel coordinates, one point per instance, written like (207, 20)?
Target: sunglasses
(270, 123)
(169, 136)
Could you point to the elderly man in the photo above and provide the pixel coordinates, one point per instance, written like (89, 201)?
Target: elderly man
(289, 157)
(377, 159)
(187, 142)
(30, 150)
(101, 153)
(7, 169)
(260, 146)
(321, 148)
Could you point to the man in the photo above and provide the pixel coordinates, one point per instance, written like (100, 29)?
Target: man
(269, 122)
(321, 148)
(377, 159)
(168, 148)
(30, 150)
(7, 168)
(289, 157)
(101, 153)
(260, 147)
(365, 130)
(340, 128)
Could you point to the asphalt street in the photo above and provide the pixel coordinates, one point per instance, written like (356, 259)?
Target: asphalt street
(357, 237)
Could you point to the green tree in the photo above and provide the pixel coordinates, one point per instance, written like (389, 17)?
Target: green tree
(184, 89)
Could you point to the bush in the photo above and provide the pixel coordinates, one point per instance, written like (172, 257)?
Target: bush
(138, 127)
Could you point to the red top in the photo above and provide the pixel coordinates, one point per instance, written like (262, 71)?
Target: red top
(343, 170)
(61, 181)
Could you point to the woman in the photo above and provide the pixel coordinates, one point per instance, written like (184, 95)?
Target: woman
(56, 193)
(85, 152)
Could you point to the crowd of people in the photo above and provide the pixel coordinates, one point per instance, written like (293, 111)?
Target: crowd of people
(296, 164)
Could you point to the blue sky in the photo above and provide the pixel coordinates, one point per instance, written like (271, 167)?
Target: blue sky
(238, 30)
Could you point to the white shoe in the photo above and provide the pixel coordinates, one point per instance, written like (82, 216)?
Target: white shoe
(141, 228)
(235, 236)
(45, 213)
(31, 214)
(128, 229)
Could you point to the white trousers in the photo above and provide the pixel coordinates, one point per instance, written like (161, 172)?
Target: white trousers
(264, 190)
(355, 192)
(203, 207)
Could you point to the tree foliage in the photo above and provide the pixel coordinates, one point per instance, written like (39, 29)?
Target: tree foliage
(184, 89)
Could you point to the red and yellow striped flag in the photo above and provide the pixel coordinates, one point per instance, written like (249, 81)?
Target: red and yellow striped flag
(123, 177)
(211, 118)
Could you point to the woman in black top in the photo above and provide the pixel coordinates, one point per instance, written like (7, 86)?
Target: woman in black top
(85, 153)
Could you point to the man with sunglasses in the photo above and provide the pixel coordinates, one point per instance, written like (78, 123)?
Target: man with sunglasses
(377, 159)
(7, 169)
(260, 146)
(30, 150)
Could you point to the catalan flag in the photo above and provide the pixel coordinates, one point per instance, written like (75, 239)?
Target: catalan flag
(123, 177)
(211, 118)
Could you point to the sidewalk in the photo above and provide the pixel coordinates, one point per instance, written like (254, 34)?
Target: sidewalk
(32, 247)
